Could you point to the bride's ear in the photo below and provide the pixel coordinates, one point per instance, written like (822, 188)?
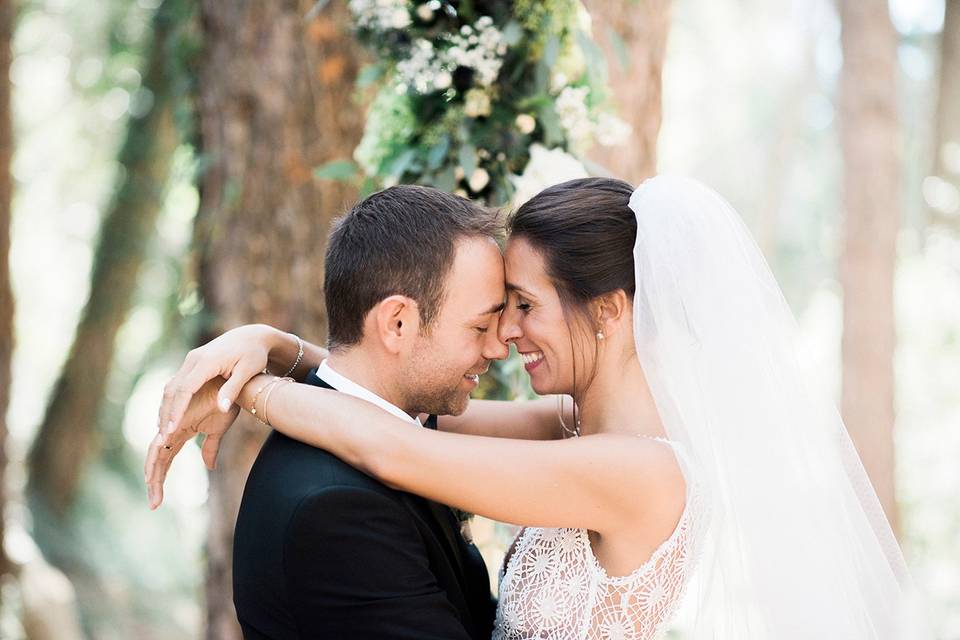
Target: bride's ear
(611, 310)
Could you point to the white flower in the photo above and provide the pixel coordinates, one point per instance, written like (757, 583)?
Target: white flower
(381, 15)
(480, 48)
(574, 117)
(477, 103)
(423, 70)
(546, 168)
(458, 172)
(442, 79)
(424, 12)
(525, 123)
(558, 80)
(611, 130)
(479, 180)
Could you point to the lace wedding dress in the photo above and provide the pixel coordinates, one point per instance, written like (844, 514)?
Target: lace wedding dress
(553, 588)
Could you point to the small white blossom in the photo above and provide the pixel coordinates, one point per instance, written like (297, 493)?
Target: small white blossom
(525, 123)
(611, 130)
(423, 68)
(574, 116)
(477, 103)
(425, 12)
(558, 81)
(546, 168)
(442, 79)
(381, 15)
(479, 180)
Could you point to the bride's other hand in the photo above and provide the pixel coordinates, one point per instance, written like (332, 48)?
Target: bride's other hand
(236, 356)
(202, 415)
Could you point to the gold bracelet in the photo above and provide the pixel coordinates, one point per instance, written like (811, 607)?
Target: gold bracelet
(296, 363)
(253, 404)
(266, 399)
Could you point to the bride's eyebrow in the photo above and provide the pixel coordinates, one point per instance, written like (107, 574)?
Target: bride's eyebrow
(515, 287)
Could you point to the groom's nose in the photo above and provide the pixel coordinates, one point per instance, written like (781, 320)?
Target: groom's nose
(493, 349)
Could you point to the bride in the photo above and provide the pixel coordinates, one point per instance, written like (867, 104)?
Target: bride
(697, 450)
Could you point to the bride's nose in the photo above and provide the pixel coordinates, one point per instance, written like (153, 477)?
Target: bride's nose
(508, 329)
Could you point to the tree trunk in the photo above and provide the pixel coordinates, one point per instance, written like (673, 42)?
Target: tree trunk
(635, 82)
(6, 294)
(275, 100)
(66, 439)
(945, 205)
(871, 187)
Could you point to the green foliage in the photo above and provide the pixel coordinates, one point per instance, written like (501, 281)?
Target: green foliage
(465, 88)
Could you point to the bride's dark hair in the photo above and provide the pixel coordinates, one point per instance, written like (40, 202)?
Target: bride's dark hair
(585, 231)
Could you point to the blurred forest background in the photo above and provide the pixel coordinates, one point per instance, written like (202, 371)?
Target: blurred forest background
(169, 168)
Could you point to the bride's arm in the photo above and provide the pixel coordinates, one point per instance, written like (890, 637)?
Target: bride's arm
(601, 482)
(524, 420)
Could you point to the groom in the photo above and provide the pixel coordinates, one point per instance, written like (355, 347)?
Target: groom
(322, 550)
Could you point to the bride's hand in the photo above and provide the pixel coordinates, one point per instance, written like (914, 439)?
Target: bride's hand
(236, 356)
(201, 415)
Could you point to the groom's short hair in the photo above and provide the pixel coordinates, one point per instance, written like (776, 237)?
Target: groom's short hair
(399, 241)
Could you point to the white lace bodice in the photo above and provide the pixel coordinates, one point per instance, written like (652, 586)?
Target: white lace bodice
(553, 588)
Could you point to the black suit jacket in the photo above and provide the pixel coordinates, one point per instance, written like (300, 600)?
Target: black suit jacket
(322, 550)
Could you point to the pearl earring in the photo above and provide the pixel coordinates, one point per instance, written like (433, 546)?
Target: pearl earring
(600, 335)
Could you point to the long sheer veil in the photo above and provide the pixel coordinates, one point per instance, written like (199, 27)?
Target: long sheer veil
(797, 544)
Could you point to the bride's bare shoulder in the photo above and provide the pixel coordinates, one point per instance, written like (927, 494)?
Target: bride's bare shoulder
(650, 466)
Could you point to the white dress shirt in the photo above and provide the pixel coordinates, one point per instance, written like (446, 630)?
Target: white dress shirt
(346, 385)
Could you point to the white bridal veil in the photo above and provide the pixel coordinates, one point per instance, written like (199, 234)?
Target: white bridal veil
(797, 544)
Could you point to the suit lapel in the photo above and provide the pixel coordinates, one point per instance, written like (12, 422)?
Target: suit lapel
(439, 520)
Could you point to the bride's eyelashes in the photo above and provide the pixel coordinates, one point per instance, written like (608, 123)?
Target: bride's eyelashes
(523, 306)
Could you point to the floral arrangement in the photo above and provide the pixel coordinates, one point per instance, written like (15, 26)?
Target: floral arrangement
(486, 99)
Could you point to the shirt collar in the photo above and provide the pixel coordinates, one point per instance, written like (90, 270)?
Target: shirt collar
(345, 385)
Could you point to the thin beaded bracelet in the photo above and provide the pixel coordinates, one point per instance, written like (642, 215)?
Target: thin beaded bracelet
(296, 362)
(266, 399)
(299, 356)
(253, 403)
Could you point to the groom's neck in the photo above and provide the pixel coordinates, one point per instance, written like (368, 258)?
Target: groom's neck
(368, 372)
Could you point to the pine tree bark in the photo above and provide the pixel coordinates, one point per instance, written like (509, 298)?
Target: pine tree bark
(636, 83)
(871, 197)
(275, 100)
(6, 293)
(66, 439)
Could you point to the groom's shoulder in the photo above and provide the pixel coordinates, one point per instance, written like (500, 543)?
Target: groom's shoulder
(291, 467)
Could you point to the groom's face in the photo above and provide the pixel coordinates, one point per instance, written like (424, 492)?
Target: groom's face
(444, 366)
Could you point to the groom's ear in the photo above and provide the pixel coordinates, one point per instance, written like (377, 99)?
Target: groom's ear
(396, 319)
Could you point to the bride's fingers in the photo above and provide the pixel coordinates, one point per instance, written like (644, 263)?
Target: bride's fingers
(230, 390)
(184, 392)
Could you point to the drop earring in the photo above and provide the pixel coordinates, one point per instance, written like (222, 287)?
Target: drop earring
(600, 335)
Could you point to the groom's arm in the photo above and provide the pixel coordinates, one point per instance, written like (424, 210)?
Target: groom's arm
(355, 567)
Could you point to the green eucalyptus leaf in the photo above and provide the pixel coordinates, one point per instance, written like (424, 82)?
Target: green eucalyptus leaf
(369, 74)
(401, 163)
(512, 33)
(438, 153)
(446, 180)
(468, 159)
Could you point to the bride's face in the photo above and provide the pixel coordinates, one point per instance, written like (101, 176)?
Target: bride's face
(534, 321)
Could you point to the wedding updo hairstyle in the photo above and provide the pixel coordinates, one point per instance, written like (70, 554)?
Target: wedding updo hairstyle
(585, 231)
